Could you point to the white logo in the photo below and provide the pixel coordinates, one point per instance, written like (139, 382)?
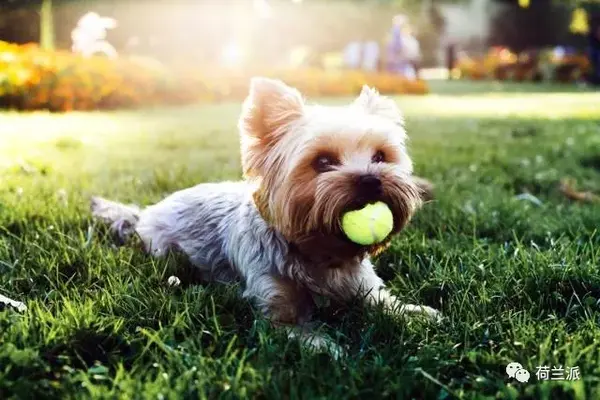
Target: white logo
(512, 368)
(516, 370)
(522, 375)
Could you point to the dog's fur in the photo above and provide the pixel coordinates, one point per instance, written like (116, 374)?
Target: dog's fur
(279, 229)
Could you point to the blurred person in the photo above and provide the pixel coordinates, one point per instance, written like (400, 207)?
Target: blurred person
(404, 49)
(370, 59)
(450, 58)
(395, 43)
(411, 52)
(352, 55)
(89, 36)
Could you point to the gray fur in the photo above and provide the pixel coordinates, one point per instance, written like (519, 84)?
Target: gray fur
(221, 231)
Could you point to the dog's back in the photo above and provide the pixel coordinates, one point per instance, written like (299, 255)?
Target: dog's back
(216, 225)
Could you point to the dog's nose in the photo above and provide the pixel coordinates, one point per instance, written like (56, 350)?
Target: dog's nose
(369, 184)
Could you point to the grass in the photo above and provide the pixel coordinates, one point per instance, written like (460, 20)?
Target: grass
(515, 281)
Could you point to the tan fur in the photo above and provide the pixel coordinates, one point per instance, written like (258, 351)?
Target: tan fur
(289, 303)
(267, 112)
(278, 150)
(279, 230)
(280, 142)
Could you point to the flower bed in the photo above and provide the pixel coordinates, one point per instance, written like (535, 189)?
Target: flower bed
(502, 64)
(32, 79)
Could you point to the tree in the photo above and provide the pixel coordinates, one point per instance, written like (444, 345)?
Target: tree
(46, 25)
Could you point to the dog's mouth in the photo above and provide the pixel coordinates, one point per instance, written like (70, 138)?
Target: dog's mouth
(329, 240)
(332, 247)
(359, 203)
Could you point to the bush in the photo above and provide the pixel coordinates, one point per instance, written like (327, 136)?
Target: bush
(501, 64)
(32, 79)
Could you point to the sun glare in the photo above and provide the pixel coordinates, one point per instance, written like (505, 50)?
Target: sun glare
(232, 54)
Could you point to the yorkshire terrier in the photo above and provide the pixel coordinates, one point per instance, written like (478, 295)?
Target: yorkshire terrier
(279, 230)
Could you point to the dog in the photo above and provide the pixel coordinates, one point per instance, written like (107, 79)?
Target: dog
(278, 231)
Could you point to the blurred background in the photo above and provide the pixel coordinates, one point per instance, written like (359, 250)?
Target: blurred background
(327, 47)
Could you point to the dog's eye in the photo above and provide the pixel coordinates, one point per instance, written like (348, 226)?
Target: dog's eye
(378, 157)
(324, 163)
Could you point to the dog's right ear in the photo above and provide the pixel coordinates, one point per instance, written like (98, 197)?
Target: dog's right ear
(267, 113)
(373, 103)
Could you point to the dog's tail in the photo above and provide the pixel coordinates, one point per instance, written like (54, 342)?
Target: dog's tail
(122, 218)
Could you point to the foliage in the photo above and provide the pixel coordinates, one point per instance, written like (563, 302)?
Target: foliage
(31, 79)
(543, 24)
(502, 64)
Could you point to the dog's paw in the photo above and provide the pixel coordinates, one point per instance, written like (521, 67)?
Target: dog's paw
(430, 313)
(321, 344)
(394, 306)
(317, 343)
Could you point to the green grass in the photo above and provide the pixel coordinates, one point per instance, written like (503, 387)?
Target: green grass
(515, 281)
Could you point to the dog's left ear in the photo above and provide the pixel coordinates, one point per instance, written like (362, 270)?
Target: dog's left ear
(373, 103)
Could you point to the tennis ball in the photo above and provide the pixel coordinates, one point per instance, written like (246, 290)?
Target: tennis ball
(371, 224)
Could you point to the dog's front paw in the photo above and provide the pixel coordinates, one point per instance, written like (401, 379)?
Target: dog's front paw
(315, 342)
(322, 344)
(428, 312)
(394, 306)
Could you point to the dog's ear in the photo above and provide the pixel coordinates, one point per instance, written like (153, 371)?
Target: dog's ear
(373, 103)
(267, 114)
(270, 106)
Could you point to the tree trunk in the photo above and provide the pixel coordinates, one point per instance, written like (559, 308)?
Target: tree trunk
(46, 26)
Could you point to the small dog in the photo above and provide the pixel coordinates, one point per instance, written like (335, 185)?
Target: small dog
(279, 230)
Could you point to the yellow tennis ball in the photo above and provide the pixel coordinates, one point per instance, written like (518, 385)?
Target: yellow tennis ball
(371, 224)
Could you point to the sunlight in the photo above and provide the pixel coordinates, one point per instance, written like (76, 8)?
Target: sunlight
(232, 55)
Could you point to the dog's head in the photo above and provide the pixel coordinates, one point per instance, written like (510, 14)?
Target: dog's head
(314, 163)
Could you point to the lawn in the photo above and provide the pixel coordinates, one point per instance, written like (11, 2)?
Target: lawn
(516, 280)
